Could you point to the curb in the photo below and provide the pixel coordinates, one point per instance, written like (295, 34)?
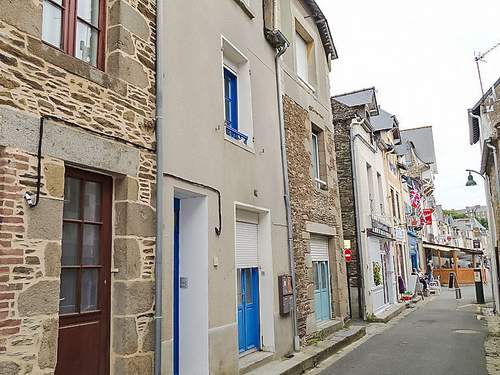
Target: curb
(313, 361)
(391, 316)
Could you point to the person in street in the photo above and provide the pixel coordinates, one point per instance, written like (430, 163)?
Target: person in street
(422, 279)
(429, 269)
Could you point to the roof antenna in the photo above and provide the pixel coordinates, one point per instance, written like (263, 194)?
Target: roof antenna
(480, 57)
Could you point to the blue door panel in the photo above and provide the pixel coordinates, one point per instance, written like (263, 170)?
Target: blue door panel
(325, 295)
(177, 206)
(321, 291)
(248, 309)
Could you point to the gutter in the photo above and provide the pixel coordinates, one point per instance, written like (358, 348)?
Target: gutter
(494, 280)
(160, 187)
(281, 44)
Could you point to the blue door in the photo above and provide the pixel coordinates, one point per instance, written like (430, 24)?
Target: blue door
(177, 206)
(248, 309)
(321, 291)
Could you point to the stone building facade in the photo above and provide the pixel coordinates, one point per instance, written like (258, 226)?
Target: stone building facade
(342, 119)
(320, 269)
(364, 189)
(314, 211)
(97, 122)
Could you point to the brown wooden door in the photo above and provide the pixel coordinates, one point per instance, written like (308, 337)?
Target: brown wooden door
(84, 304)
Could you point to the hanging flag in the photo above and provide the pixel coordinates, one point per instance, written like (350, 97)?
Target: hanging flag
(428, 216)
(414, 196)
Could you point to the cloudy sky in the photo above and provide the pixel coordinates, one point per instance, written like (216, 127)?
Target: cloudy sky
(420, 57)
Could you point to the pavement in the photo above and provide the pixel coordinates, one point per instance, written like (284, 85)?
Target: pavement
(441, 336)
(492, 345)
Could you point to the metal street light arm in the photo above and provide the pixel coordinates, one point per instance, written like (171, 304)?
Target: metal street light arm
(476, 172)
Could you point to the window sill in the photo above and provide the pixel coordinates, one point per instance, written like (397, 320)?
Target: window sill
(71, 64)
(239, 144)
(246, 8)
(320, 184)
(307, 85)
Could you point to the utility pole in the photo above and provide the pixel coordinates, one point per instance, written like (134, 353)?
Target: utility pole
(480, 57)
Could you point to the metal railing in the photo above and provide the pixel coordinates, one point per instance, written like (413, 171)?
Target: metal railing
(233, 133)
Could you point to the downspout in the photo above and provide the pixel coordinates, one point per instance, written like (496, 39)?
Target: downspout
(492, 228)
(160, 127)
(357, 213)
(286, 187)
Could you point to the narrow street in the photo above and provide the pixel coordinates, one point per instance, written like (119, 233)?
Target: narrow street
(443, 336)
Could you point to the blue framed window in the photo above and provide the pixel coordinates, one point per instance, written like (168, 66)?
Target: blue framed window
(231, 99)
(231, 106)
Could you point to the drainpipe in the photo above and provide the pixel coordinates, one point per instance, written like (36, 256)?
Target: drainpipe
(357, 212)
(160, 127)
(280, 50)
(493, 235)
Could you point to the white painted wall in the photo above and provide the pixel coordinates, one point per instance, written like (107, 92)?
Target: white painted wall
(193, 301)
(374, 296)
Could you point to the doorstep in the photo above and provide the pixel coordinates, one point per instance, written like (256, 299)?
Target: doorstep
(253, 360)
(389, 313)
(329, 327)
(311, 355)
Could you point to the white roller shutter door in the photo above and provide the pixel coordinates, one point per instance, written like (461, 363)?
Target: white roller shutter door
(319, 248)
(247, 254)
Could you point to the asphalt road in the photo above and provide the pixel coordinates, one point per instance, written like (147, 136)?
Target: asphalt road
(440, 338)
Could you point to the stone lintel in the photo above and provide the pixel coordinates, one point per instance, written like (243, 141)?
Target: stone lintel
(20, 130)
(318, 228)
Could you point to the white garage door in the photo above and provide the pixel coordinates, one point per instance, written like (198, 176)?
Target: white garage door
(319, 248)
(247, 245)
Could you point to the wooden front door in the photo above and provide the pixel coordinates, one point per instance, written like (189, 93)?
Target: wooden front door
(84, 303)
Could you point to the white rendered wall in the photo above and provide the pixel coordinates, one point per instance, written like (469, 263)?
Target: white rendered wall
(193, 300)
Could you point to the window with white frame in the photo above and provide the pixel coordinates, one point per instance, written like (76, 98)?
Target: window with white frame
(380, 193)
(301, 57)
(304, 56)
(237, 95)
(318, 157)
(315, 155)
(371, 194)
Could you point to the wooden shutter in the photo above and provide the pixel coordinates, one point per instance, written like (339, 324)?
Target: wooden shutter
(246, 245)
(319, 248)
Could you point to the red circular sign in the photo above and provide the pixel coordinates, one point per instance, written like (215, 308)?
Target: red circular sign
(348, 255)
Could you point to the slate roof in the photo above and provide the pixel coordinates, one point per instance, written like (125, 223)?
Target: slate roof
(358, 98)
(383, 121)
(423, 140)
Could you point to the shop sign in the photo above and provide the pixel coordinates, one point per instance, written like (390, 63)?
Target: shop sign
(476, 244)
(381, 228)
(399, 234)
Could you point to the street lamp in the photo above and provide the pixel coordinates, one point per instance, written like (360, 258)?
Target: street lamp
(493, 263)
(470, 178)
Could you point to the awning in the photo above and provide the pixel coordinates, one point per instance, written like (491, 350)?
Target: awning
(447, 248)
(438, 247)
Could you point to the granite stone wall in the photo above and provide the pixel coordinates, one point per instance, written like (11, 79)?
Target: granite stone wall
(342, 118)
(117, 105)
(312, 204)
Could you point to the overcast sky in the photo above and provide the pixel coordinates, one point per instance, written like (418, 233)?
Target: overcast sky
(420, 57)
